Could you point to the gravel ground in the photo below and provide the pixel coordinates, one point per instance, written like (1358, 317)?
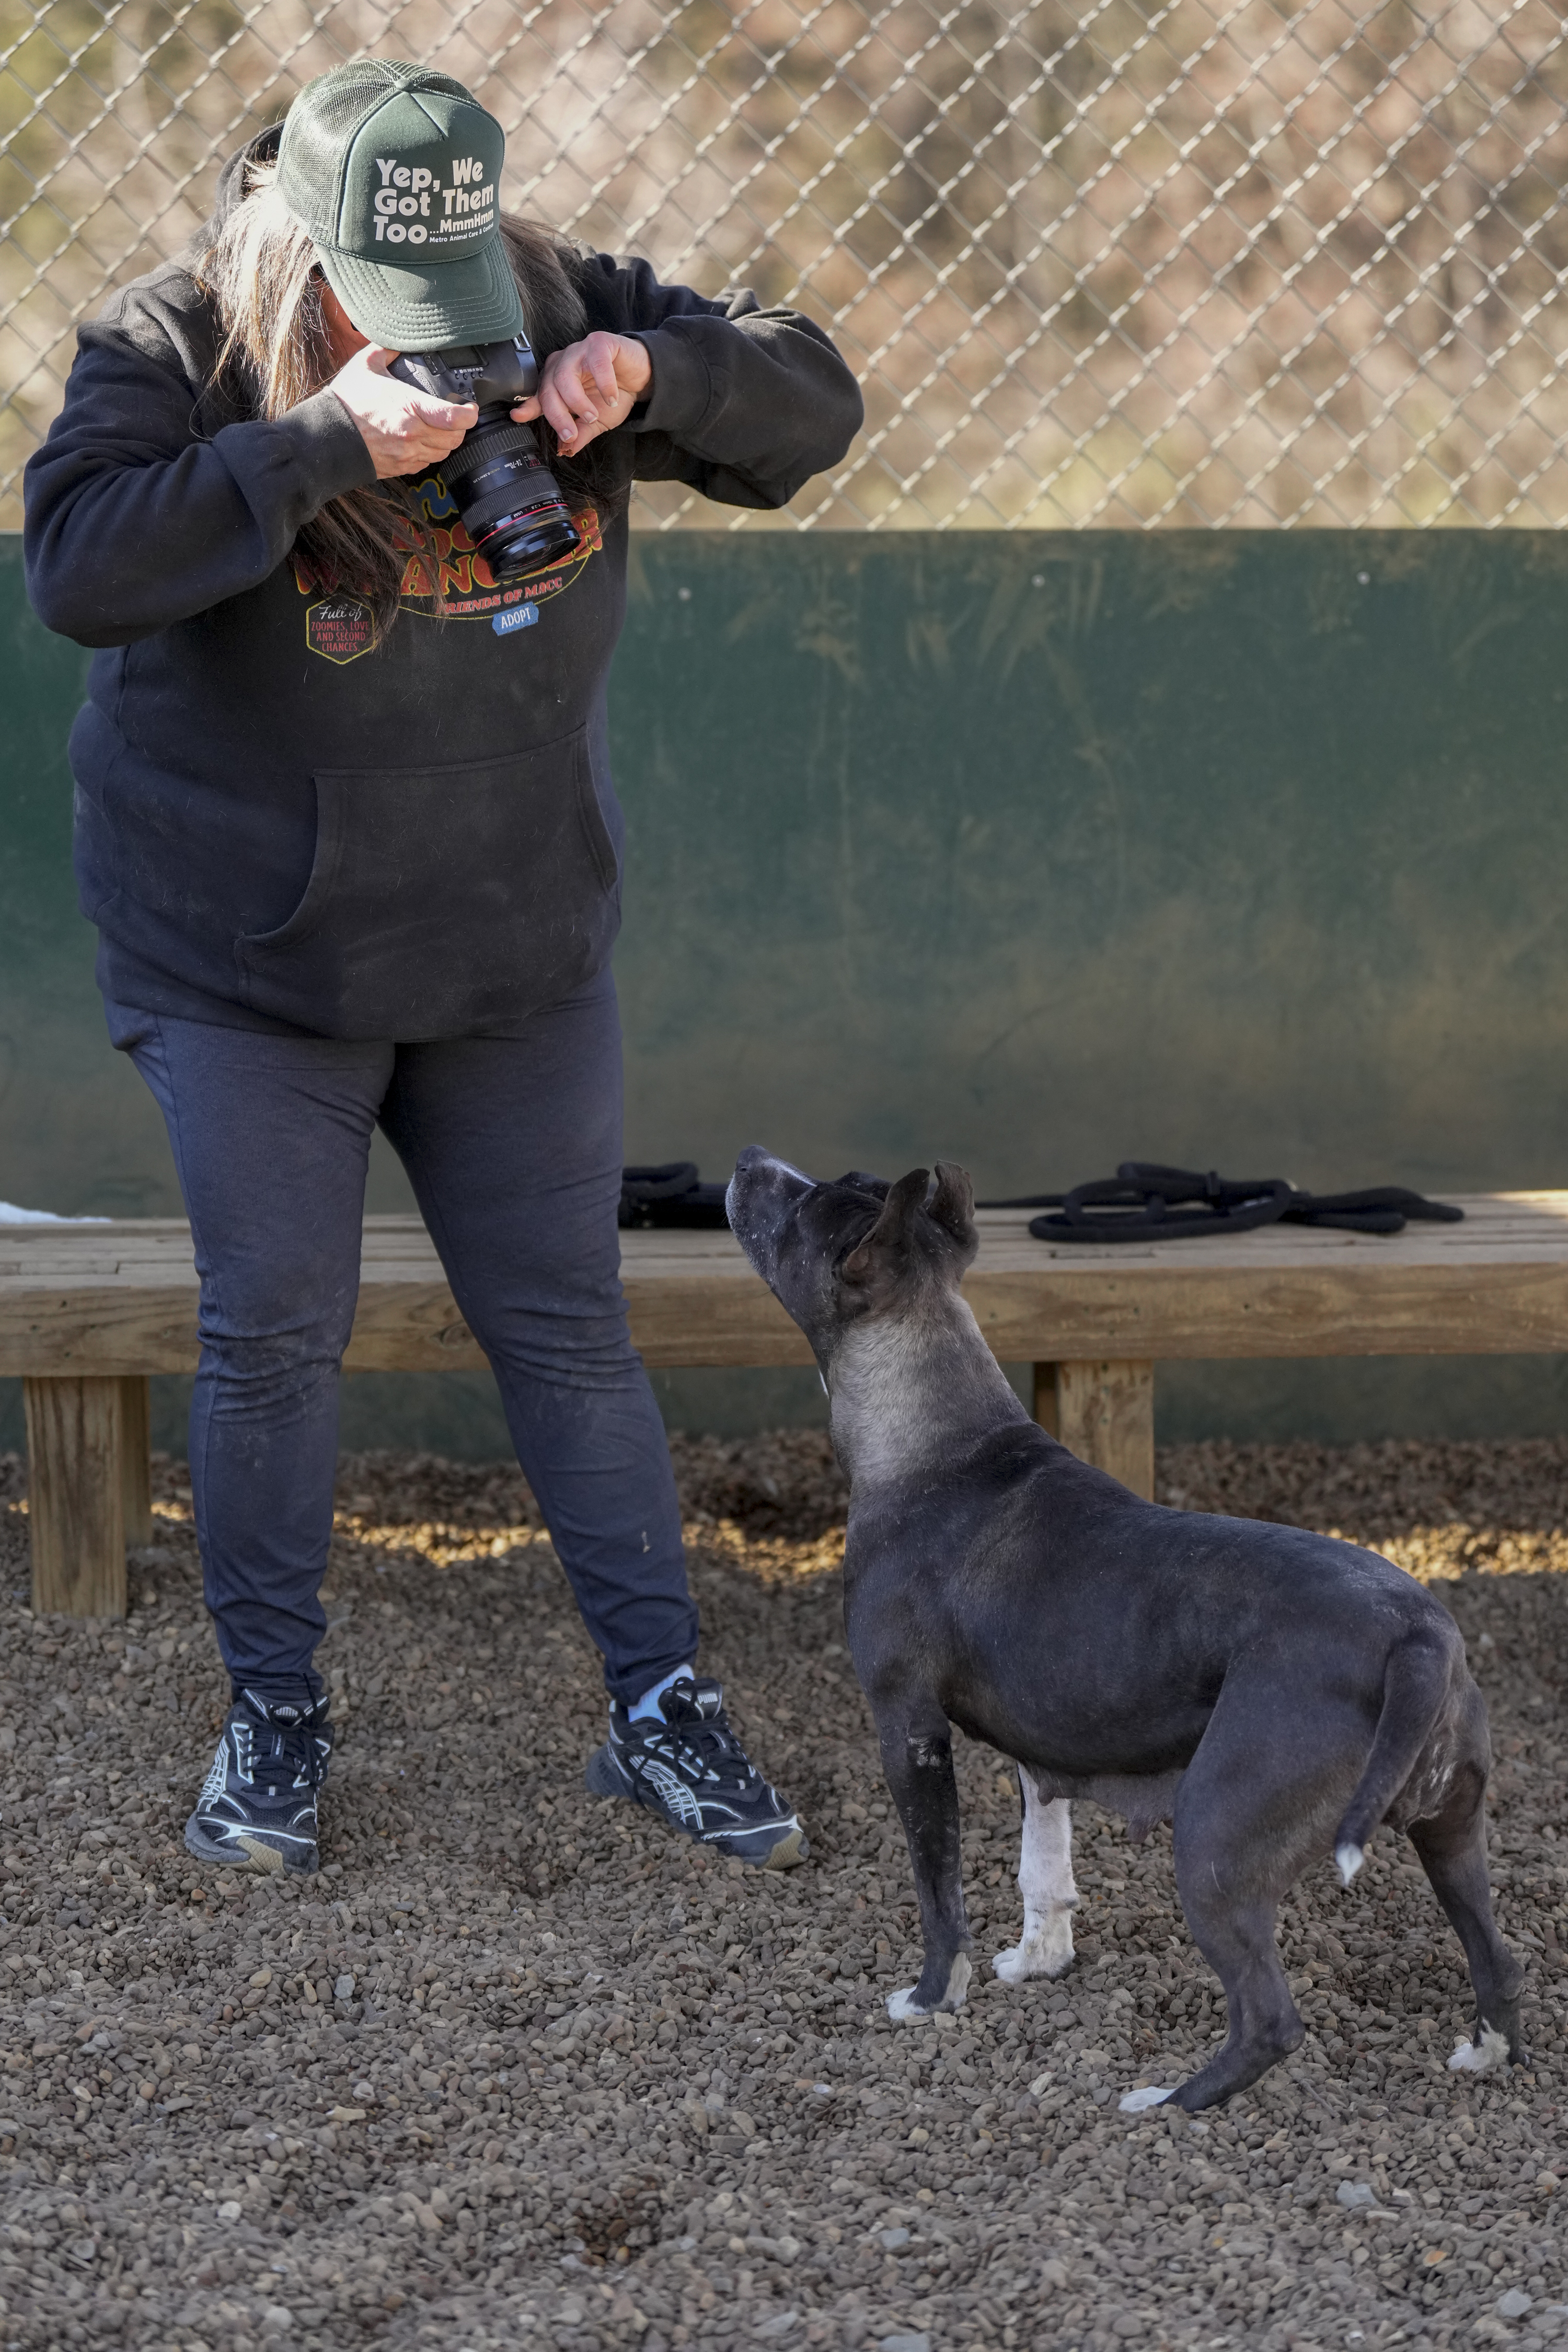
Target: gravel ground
(519, 2070)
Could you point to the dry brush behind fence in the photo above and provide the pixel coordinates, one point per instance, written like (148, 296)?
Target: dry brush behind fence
(1098, 262)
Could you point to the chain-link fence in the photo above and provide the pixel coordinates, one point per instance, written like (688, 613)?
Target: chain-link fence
(1096, 261)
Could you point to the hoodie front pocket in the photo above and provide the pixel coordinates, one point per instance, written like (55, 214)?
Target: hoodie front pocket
(443, 902)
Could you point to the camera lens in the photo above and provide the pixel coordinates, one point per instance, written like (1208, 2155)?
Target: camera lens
(510, 502)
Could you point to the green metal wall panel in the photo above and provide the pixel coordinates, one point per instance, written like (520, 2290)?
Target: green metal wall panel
(1037, 851)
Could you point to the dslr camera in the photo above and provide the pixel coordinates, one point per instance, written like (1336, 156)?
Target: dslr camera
(508, 501)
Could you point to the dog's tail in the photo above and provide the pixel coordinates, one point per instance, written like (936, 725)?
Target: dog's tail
(1415, 1686)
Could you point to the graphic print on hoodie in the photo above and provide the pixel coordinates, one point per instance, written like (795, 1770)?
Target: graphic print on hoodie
(445, 577)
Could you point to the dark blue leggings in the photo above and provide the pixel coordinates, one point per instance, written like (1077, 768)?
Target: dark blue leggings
(513, 1148)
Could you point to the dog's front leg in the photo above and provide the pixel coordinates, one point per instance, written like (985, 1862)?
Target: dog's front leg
(919, 1765)
(1046, 1882)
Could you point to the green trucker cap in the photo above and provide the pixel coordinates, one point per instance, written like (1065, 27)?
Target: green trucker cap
(396, 173)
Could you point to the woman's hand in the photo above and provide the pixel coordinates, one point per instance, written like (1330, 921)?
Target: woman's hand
(404, 430)
(589, 388)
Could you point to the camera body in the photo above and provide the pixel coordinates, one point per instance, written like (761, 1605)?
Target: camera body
(508, 501)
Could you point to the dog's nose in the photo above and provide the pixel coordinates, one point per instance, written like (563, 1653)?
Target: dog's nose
(753, 1155)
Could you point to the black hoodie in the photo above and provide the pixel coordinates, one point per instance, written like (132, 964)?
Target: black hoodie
(282, 824)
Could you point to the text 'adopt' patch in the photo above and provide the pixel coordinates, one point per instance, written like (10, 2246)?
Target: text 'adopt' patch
(448, 207)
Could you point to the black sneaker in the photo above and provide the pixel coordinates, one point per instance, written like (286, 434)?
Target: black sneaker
(689, 1768)
(257, 1806)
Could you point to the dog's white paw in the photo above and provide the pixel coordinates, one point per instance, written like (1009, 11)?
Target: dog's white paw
(1347, 1860)
(903, 2005)
(1049, 1955)
(1491, 2054)
(1135, 2102)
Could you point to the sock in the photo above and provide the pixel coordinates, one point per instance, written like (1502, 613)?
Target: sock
(648, 1703)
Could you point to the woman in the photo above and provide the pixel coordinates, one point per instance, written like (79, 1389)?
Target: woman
(344, 822)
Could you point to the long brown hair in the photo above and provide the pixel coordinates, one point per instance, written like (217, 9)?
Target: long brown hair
(262, 273)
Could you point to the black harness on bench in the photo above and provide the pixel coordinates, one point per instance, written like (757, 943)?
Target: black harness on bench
(672, 1195)
(1144, 1202)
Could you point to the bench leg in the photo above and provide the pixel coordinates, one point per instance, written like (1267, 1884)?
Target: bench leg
(136, 1458)
(1045, 1412)
(1106, 1415)
(75, 1496)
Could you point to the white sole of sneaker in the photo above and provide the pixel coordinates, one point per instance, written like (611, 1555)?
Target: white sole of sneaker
(243, 1853)
(789, 1851)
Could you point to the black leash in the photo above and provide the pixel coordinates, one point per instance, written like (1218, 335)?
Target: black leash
(670, 1196)
(1144, 1202)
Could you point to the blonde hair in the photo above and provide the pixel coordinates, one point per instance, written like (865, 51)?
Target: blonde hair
(262, 273)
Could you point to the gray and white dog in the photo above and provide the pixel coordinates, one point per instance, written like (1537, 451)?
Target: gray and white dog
(1274, 1693)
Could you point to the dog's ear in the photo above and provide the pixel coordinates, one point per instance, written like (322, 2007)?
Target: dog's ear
(953, 1202)
(893, 1228)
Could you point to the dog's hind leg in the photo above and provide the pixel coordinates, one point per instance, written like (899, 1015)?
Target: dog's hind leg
(919, 1765)
(1045, 1883)
(1238, 1942)
(1452, 1846)
(1244, 1828)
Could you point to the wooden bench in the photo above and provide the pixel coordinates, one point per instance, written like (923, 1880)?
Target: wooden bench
(87, 1312)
